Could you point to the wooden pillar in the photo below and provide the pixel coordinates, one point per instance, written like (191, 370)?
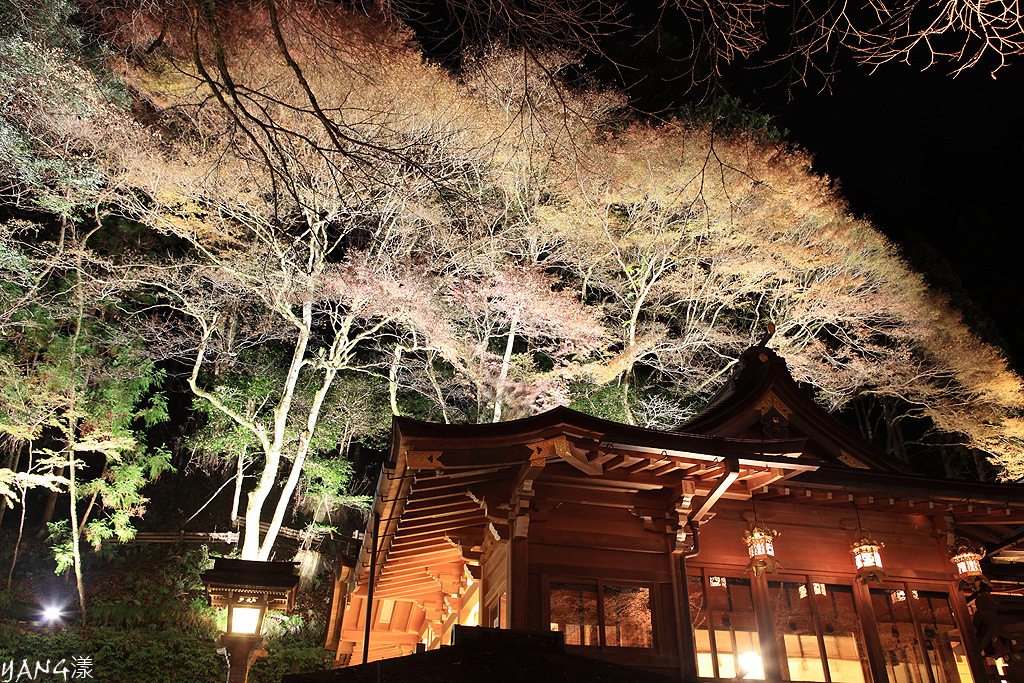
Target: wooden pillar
(518, 574)
(684, 629)
(866, 616)
(965, 624)
(765, 628)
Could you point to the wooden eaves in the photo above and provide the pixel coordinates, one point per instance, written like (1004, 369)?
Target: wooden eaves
(445, 487)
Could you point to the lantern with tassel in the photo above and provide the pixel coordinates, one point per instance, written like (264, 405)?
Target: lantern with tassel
(761, 545)
(967, 560)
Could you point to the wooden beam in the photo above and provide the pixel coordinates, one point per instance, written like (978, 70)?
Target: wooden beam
(405, 582)
(439, 521)
(1013, 520)
(665, 469)
(418, 528)
(426, 559)
(427, 545)
(731, 472)
(448, 511)
(617, 461)
(557, 491)
(759, 480)
(422, 593)
(426, 503)
(452, 564)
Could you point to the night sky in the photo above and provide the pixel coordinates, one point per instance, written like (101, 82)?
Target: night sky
(934, 162)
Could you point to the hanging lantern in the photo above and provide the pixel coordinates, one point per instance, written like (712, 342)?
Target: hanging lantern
(761, 546)
(866, 557)
(967, 560)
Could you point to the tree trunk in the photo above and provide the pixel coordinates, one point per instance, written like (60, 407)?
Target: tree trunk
(981, 465)
(863, 413)
(21, 523)
(92, 501)
(393, 379)
(51, 504)
(437, 387)
(505, 361)
(254, 508)
(893, 432)
(627, 409)
(300, 459)
(72, 436)
(238, 487)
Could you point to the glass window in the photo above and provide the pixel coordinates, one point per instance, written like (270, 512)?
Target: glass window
(498, 612)
(699, 624)
(800, 638)
(816, 630)
(622, 619)
(724, 628)
(627, 616)
(795, 634)
(735, 630)
(845, 653)
(574, 612)
(943, 645)
(904, 660)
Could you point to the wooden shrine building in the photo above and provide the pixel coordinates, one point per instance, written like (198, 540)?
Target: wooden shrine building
(656, 549)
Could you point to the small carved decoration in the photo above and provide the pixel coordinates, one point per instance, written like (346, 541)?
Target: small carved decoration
(774, 424)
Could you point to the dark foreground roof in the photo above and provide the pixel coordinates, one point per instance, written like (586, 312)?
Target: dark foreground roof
(492, 655)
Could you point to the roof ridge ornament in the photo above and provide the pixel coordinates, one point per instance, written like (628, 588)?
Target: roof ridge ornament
(766, 337)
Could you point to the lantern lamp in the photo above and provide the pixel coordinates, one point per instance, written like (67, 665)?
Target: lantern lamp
(248, 589)
(967, 560)
(761, 547)
(246, 613)
(867, 558)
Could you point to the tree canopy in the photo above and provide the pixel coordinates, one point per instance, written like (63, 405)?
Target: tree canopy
(325, 229)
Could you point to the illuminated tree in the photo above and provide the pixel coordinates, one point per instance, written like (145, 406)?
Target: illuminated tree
(329, 206)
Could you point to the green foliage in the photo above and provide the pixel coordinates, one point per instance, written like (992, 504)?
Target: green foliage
(59, 541)
(9, 480)
(136, 655)
(730, 114)
(44, 21)
(86, 384)
(294, 645)
(325, 484)
(600, 401)
(150, 623)
(46, 92)
(170, 597)
(289, 658)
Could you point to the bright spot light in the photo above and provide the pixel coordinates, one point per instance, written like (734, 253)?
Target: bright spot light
(51, 613)
(751, 666)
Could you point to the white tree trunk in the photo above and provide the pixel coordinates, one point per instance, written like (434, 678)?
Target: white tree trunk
(505, 362)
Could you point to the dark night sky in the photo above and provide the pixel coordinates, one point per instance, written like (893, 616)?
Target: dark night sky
(935, 162)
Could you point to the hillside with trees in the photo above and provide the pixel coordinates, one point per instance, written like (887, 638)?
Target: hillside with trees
(284, 210)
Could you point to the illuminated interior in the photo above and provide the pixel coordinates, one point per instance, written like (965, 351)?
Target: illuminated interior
(815, 631)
